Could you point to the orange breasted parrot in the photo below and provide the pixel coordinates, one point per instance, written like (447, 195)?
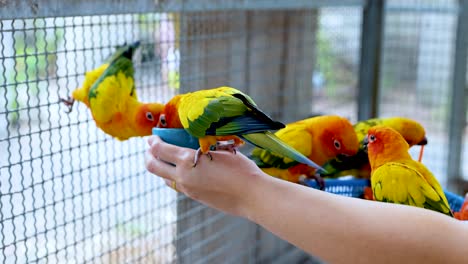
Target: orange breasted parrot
(109, 92)
(358, 165)
(223, 114)
(397, 178)
(320, 138)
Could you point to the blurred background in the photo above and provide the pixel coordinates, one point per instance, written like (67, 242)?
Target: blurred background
(70, 193)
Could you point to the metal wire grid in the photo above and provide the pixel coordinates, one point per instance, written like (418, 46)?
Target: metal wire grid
(71, 193)
(336, 68)
(68, 191)
(416, 79)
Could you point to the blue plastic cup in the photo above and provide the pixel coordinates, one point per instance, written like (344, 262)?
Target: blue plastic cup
(177, 136)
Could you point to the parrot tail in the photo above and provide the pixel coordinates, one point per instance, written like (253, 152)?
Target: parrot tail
(270, 142)
(125, 50)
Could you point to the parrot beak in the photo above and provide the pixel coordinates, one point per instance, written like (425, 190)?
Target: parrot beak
(365, 142)
(423, 142)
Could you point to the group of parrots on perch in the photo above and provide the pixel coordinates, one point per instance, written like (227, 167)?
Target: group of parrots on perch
(317, 147)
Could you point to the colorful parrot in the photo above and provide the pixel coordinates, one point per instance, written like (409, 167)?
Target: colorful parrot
(358, 165)
(319, 138)
(109, 92)
(396, 177)
(225, 114)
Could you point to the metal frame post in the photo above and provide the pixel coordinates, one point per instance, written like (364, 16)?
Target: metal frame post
(369, 70)
(457, 119)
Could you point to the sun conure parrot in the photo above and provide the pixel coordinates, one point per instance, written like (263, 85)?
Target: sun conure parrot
(319, 138)
(109, 92)
(358, 165)
(396, 177)
(224, 114)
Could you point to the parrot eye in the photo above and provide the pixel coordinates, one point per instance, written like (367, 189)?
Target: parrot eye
(162, 120)
(337, 144)
(149, 116)
(371, 138)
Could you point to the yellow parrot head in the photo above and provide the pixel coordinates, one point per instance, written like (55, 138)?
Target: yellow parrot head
(385, 144)
(147, 117)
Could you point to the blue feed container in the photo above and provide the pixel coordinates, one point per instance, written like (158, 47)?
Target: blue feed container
(177, 136)
(355, 188)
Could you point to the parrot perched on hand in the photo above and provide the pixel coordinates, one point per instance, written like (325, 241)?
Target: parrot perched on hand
(319, 138)
(109, 92)
(358, 165)
(223, 114)
(396, 177)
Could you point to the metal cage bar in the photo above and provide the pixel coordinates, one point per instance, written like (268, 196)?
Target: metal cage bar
(369, 72)
(51, 8)
(457, 120)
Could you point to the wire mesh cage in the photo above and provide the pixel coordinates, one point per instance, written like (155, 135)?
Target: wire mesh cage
(71, 193)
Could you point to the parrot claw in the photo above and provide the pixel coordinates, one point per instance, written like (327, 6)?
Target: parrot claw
(229, 147)
(318, 179)
(198, 155)
(68, 102)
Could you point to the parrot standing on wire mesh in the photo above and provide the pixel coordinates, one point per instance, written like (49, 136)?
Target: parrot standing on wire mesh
(109, 92)
(225, 114)
(319, 138)
(358, 165)
(397, 178)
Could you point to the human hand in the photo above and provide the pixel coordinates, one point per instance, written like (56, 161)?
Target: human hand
(226, 183)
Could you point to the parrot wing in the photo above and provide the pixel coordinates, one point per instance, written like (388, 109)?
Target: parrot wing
(112, 90)
(92, 76)
(296, 137)
(401, 183)
(121, 61)
(274, 144)
(223, 114)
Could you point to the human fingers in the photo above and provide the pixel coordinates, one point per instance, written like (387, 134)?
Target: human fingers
(168, 152)
(159, 167)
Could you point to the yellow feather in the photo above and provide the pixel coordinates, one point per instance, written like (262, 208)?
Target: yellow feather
(193, 105)
(113, 95)
(81, 93)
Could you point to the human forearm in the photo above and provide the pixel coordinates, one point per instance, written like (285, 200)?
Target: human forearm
(340, 229)
(335, 228)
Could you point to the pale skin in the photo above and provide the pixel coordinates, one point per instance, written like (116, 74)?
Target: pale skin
(334, 228)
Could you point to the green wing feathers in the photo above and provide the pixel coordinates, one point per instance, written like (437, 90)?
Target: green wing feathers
(229, 115)
(266, 159)
(272, 143)
(120, 62)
